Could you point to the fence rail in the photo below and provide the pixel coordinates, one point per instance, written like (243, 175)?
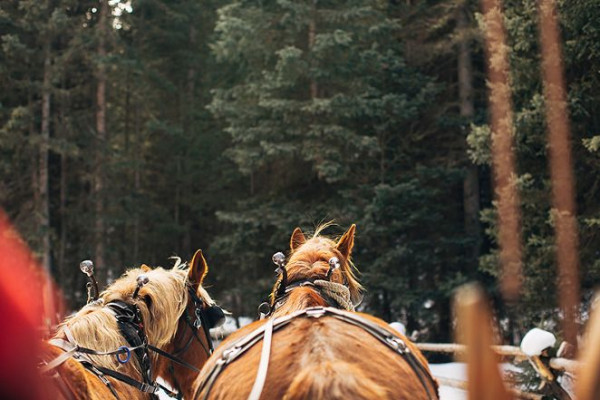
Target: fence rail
(561, 364)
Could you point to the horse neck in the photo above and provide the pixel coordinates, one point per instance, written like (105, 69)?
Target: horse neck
(299, 299)
(178, 375)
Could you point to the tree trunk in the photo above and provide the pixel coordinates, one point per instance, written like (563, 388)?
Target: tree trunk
(312, 32)
(63, 215)
(98, 189)
(467, 111)
(43, 212)
(189, 129)
(137, 184)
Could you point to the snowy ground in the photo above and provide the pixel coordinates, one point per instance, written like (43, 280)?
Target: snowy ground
(455, 371)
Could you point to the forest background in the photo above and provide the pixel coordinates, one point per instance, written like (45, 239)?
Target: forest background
(132, 131)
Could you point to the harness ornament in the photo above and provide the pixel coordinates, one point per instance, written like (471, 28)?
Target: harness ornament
(127, 353)
(141, 281)
(87, 267)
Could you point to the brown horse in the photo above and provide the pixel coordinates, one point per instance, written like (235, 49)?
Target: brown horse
(314, 346)
(169, 311)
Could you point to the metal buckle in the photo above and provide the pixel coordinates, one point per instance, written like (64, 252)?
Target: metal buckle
(147, 388)
(229, 354)
(317, 312)
(397, 344)
(198, 321)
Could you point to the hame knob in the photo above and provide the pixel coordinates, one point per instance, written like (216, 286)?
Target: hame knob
(279, 259)
(334, 263)
(87, 267)
(141, 281)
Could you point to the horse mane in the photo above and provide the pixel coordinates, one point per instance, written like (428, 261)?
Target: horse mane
(310, 261)
(161, 302)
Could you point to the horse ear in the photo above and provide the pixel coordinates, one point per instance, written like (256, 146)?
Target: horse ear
(198, 269)
(346, 243)
(145, 268)
(297, 239)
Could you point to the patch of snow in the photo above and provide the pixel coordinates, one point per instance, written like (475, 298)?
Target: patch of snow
(454, 370)
(162, 395)
(399, 327)
(450, 393)
(458, 371)
(536, 341)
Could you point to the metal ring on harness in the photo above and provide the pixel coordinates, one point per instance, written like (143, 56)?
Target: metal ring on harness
(127, 355)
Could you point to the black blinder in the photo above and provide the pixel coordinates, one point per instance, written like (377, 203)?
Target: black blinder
(215, 317)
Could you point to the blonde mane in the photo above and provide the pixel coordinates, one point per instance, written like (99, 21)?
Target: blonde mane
(310, 260)
(161, 302)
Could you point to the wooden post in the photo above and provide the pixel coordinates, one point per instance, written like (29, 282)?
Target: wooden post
(588, 380)
(507, 196)
(561, 169)
(475, 331)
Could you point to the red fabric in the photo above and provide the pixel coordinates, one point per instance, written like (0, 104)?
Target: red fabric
(22, 315)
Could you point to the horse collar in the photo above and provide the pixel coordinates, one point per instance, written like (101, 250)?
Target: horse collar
(282, 295)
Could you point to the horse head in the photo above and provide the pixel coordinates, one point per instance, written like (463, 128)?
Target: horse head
(315, 263)
(174, 315)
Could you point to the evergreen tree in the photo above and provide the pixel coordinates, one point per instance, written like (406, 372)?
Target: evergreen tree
(325, 119)
(538, 303)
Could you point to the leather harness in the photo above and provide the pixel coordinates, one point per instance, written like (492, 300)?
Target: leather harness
(131, 327)
(265, 332)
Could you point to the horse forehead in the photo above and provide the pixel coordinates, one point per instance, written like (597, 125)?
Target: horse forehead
(314, 250)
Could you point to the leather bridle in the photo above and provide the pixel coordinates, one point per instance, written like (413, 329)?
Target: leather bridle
(131, 327)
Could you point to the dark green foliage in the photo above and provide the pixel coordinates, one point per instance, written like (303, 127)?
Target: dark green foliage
(229, 123)
(531, 145)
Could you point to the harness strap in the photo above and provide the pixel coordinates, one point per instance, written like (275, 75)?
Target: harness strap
(261, 373)
(194, 330)
(141, 386)
(176, 382)
(58, 360)
(174, 359)
(75, 350)
(239, 347)
(91, 367)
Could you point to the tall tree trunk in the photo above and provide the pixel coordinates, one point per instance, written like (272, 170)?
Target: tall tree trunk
(98, 190)
(43, 212)
(312, 33)
(467, 110)
(63, 214)
(61, 126)
(189, 129)
(137, 184)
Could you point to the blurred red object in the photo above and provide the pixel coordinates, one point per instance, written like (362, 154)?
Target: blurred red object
(27, 311)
